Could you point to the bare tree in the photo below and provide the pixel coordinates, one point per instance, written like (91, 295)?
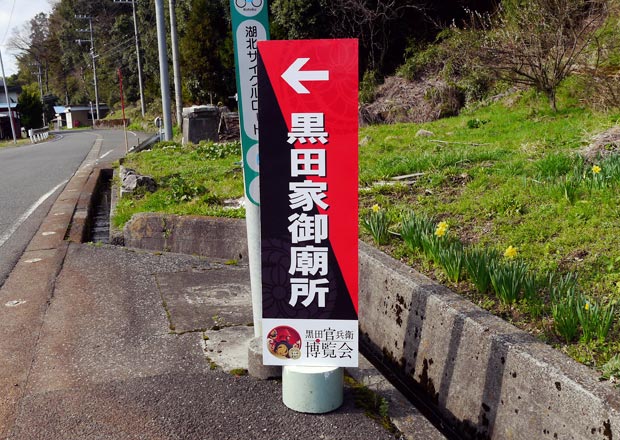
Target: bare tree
(31, 44)
(376, 23)
(370, 21)
(602, 72)
(540, 43)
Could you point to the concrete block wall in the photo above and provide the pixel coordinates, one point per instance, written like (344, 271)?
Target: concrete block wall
(194, 235)
(487, 378)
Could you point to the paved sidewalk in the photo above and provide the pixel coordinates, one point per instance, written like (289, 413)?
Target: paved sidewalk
(100, 342)
(107, 367)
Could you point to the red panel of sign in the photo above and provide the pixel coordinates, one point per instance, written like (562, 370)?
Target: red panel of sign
(308, 141)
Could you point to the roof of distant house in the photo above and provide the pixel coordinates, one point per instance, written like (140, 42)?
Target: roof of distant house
(60, 109)
(17, 89)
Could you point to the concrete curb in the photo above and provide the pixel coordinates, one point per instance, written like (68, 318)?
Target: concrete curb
(27, 292)
(116, 234)
(487, 378)
(25, 298)
(83, 210)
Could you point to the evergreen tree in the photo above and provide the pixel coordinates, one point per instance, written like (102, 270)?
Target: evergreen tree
(206, 53)
(30, 108)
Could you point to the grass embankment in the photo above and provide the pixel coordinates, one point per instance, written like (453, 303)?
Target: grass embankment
(192, 180)
(508, 174)
(19, 143)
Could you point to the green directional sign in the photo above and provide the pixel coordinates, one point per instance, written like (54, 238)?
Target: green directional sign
(250, 24)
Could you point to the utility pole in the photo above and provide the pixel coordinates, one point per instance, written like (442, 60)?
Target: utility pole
(8, 101)
(92, 54)
(163, 69)
(39, 74)
(175, 63)
(135, 30)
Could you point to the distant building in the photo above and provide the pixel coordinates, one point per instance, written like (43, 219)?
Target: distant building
(75, 116)
(5, 106)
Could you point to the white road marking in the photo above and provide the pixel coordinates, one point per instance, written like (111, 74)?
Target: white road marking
(5, 237)
(101, 157)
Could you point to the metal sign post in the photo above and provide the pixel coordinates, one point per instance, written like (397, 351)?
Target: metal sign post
(308, 127)
(164, 81)
(8, 101)
(250, 24)
(120, 83)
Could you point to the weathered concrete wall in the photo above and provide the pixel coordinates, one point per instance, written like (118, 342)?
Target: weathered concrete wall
(489, 379)
(195, 235)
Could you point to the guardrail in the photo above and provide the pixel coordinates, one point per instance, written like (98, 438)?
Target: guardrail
(38, 134)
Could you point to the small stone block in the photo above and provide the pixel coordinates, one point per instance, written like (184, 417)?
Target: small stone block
(255, 363)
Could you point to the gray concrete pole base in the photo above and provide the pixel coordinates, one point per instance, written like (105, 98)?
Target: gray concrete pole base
(255, 362)
(315, 390)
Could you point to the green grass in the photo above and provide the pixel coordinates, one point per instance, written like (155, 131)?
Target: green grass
(503, 183)
(19, 143)
(515, 180)
(192, 180)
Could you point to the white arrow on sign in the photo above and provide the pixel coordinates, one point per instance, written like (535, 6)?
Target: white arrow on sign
(294, 75)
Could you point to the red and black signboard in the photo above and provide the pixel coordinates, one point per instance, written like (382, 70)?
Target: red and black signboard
(308, 137)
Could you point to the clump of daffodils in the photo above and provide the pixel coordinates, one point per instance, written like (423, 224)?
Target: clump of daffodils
(377, 223)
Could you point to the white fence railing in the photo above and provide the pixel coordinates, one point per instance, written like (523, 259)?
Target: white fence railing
(38, 134)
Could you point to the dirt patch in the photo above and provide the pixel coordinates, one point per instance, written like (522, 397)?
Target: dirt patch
(401, 100)
(603, 145)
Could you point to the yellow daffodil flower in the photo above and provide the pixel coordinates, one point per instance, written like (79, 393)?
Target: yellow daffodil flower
(511, 252)
(441, 230)
(587, 306)
(376, 208)
(596, 169)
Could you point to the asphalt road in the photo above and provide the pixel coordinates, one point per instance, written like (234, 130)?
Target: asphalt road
(32, 176)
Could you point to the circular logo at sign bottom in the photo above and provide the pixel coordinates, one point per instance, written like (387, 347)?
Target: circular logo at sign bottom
(284, 342)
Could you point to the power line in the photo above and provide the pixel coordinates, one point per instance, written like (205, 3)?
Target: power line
(139, 63)
(114, 54)
(122, 45)
(93, 55)
(8, 26)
